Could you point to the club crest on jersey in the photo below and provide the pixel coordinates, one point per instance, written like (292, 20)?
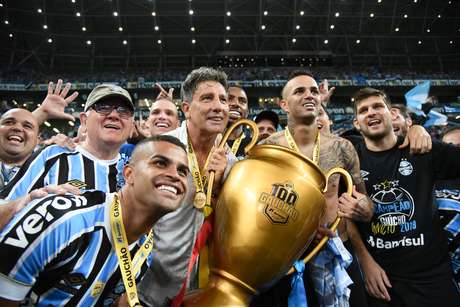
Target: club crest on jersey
(405, 167)
(280, 203)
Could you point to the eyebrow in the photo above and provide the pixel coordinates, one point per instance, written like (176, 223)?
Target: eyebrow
(182, 165)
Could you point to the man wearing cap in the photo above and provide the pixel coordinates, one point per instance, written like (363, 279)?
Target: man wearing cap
(267, 121)
(108, 119)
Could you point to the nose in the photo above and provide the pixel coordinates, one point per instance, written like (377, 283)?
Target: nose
(17, 127)
(114, 114)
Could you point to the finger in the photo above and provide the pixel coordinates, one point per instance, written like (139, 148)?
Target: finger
(71, 97)
(50, 88)
(162, 90)
(65, 90)
(405, 143)
(57, 90)
(430, 143)
(382, 289)
(67, 117)
(170, 92)
(386, 280)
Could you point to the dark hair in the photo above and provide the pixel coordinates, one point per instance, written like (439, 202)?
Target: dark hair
(402, 109)
(450, 129)
(161, 138)
(367, 92)
(294, 74)
(199, 75)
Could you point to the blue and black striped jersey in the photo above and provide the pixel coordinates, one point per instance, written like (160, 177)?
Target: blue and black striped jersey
(59, 252)
(57, 165)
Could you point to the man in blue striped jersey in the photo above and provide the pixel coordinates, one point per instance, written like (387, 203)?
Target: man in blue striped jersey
(63, 249)
(108, 119)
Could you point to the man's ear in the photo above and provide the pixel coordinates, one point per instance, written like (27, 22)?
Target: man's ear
(128, 174)
(284, 106)
(186, 109)
(355, 124)
(83, 118)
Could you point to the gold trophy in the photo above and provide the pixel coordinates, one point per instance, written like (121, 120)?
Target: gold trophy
(266, 215)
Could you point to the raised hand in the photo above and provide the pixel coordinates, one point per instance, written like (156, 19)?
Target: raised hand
(55, 102)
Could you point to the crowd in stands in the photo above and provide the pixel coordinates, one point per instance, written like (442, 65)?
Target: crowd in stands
(29, 76)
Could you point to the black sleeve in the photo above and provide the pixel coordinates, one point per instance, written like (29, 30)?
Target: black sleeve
(446, 161)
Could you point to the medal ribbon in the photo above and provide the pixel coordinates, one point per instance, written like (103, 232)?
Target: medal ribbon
(236, 143)
(198, 179)
(128, 269)
(293, 145)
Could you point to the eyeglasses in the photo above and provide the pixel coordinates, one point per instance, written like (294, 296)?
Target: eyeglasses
(106, 109)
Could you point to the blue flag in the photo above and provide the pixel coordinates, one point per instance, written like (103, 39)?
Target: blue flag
(435, 119)
(417, 96)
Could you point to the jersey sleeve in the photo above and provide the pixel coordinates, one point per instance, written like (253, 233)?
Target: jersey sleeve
(32, 174)
(446, 161)
(34, 238)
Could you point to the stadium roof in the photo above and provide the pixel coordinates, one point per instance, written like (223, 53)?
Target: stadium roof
(94, 35)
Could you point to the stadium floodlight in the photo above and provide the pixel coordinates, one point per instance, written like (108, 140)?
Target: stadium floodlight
(326, 41)
(11, 34)
(6, 22)
(451, 42)
(294, 40)
(358, 41)
(190, 12)
(73, 1)
(120, 29)
(227, 28)
(297, 27)
(83, 29)
(50, 40)
(115, 14)
(229, 13)
(439, 16)
(157, 28)
(154, 13)
(265, 13)
(192, 29)
(125, 42)
(45, 27)
(39, 11)
(428, 30)
(193, 41)
(56, 130)
(371, 15)
(415, 1)
(262, 27)
(332, 26)
(47, 124)
(397, 30)
(88, 42)
(71, 123)
(302, 13)
(159, 42)
(227, 41)
(405, 16)
(77, 14)
(379, 1)
(337, 14)
(419, 42)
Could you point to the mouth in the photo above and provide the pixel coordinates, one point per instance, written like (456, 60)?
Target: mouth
(374, 122)
(396, 129)
(234, 114)
(170, 190)
(112, 127)
(162, 125)
(320, 126)
(15, 139)
(309, 105)
(216, 119)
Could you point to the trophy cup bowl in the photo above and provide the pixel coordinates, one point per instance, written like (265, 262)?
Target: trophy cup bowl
(266, 216)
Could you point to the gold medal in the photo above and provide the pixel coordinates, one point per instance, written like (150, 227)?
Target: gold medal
(200, 200)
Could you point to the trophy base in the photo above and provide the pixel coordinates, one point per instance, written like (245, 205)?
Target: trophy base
(223, 290)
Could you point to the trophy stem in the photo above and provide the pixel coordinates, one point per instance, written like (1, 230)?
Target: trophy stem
(223, 289)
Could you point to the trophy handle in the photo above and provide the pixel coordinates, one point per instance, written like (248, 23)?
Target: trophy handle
(333, 227)
(255, 137)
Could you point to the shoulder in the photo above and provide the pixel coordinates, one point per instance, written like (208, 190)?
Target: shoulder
(274, 139)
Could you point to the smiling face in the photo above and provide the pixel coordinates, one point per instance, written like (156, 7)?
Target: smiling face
(208, 110)
(163, 117)
(157, 175)
(110, 130)
(400, 123)
(18, 135)
(237, 103)
(301, 99)
(373, 118)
